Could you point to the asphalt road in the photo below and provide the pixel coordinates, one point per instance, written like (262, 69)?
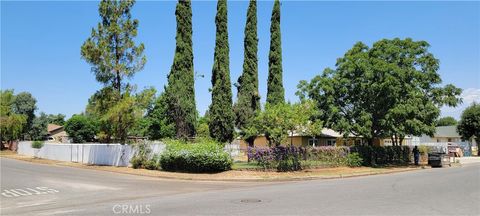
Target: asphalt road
(56, 190)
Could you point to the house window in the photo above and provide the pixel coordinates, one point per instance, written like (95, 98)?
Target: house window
(438, 140)
(358, 142)
(313, 142)
(449, 139)
(331, 142)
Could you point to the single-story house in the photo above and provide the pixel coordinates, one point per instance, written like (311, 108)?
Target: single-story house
(56, 133)
(448, 135)
(328, 137)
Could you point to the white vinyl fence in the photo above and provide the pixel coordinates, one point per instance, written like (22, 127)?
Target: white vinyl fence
(97, 153)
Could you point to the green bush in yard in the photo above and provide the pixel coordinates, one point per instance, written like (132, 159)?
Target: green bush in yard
(383, 155)
(142, 153)
(152, 163)
(354, 160)
(37, 144)
(202, 156)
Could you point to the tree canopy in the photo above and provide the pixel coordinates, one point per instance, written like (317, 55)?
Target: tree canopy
(279, 121)
(389, 90)
(25, 104)
(39, 129)
(248, 97)
(159, 123)
(469, 124)
(12, 124)
(275, 90)
(180, 91)
(447, 121)
(81, 129)
(221, 113)
(114, 56)
(111, 49)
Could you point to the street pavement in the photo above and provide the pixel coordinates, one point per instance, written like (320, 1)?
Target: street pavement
(36, 189)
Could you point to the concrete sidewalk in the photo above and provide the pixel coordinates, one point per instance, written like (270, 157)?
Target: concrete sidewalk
(467, 160)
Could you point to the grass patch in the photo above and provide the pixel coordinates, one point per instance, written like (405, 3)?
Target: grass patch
(246, 166)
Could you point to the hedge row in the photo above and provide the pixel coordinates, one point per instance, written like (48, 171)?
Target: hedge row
(383, 155)
(293, 158)
(205, 156)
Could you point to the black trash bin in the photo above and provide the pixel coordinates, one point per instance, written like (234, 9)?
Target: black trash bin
(438, 159)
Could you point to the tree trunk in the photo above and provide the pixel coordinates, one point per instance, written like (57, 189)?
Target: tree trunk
(291, 139)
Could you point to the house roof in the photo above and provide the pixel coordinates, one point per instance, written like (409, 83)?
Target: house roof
(446, 131)
(53, 127)
(326, 132)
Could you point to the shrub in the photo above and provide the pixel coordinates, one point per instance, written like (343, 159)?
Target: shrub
(423, 149)
(37, 144)
(263, 156)
(289, 158)
(354, 160)
(141, 156)
(81, 129)
(153, 163)
(383, 155)
(329, 155)
(295, 158)
(202, 156)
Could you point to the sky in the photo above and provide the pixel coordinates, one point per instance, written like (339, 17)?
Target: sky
(40, 44)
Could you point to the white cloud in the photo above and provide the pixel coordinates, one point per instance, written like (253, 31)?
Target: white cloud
(469, 96)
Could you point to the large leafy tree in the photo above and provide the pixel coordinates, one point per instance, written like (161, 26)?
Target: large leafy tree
(98, 106)
(25, 104)
(469, 125)
(389, 90)
(279, 121)
(221, 114)
(39, 129)
(58, 119)
(202, 126)
(275, 90)
(275, 122)
(248, 97)
(159, 124)
(12, 124)
(180, 91)
(447, 121)
(114, 56)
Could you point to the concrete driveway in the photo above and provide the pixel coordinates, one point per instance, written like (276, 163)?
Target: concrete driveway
(56, 190)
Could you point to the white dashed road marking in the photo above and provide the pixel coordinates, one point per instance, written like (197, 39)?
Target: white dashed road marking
(17, 192)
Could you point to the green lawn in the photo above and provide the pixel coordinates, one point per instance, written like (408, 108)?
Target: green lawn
(246, 166)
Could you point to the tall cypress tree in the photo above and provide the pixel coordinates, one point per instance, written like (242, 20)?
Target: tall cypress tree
(248, 98)
(221, 113)
(180, 92)
(275, 91)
